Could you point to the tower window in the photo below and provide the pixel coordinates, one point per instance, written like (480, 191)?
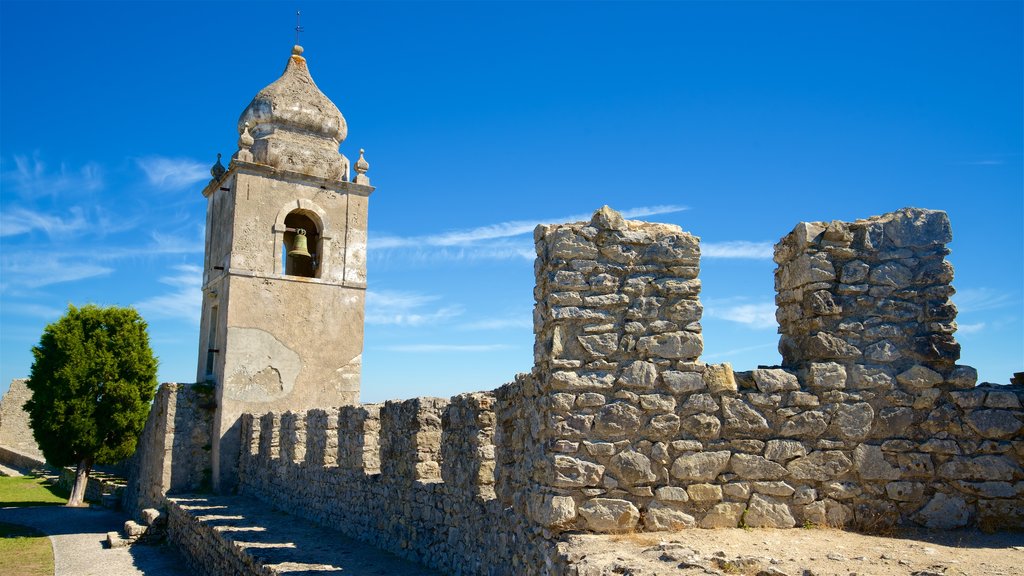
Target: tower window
(301, 249)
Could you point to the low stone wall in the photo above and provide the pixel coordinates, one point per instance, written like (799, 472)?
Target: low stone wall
(16, 459)
(433, 500)
(206, 551)
(15, 431)
(173, 452)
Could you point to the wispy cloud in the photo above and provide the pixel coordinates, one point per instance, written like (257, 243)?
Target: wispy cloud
(757, 315)
(32, 310)
(515, 322)
(970, 328)
(29, 271)
(417, 348)
(978, 299)
(31, 178)
(981, 163)
(738, 249)
(726, 354)
(508, 229)
(173, 173)
(405, 309)
(22, 220)
(185, 300)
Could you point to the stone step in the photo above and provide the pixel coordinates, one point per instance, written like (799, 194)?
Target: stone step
(242, 535)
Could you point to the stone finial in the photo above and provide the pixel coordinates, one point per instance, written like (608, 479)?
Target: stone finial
(245, 142)
(361, 167)
(297, 50)
(217, 170)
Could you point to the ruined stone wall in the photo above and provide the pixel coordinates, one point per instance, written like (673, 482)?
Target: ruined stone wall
(870, 422)
(173, 452)
(621, 427)
(428, 495)
(15, 432)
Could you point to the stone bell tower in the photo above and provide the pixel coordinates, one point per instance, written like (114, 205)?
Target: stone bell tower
(284, 280)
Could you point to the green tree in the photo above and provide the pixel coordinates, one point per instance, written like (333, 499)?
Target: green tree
(92, 382)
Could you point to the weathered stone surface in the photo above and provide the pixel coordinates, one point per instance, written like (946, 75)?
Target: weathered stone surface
(772, 380)
(767, 512)
(617, 419)
(809, 424)
(820, 465)
(826, 375)
(882, 351)
(1001, 399)
(827, 512)
(944, 512)
(753, 467)
(995, 424)
(683, 382)
(631, 468)
(719, 378)
(863, 377)
(671, 345)
(918, 228)
(700, 466)
(980, 468)
(600, 345)
(853, 421)
(919, 377)
(783, 451)
(570, 472)
(551, 511)
(660, 516)
(609, 515)
(671, 494)
(741, 418)
(870, 464)
(828, 347)
(724, 515)
(704, 493)
(570, 380)
(702, 426)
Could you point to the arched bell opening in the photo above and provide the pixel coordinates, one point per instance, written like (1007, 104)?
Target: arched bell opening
(300, 251)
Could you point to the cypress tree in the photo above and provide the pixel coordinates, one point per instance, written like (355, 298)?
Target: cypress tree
(92, 382)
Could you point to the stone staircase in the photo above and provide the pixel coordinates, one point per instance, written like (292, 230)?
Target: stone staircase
(242, 535)
(152, 530)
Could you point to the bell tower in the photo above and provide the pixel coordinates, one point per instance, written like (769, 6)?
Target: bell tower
(284, 280)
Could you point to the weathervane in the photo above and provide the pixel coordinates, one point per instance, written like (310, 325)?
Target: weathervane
(298, 26)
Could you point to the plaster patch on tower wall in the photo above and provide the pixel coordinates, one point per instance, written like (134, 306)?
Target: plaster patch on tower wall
(262, 369)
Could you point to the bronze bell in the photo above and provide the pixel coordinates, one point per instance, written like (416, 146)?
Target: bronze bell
(299, 245)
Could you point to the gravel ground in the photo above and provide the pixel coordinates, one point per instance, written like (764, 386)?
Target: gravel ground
(800, 552)
(78, 536)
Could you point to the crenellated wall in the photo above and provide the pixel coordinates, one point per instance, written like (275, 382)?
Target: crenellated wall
(620, 426)
(432, 499)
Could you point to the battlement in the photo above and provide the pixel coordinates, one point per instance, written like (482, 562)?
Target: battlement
(621, 427)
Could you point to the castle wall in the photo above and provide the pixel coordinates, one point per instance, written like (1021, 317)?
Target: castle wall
(173, 452)
(15, 431)
(621, 427)
(433, 498)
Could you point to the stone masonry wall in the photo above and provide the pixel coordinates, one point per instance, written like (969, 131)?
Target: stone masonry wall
(869, 422)
(621, 427)
(15, 432)
(429, 497)
(173, 452)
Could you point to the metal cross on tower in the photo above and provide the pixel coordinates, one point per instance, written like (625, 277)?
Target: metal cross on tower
(298, 26)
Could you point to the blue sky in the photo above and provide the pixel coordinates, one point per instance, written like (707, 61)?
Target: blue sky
(480, 120)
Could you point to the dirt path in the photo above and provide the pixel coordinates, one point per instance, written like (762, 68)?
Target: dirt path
(801, 552)
(78, 536)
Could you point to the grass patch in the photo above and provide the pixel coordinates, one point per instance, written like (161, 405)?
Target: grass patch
(24, 552)
(30, 491)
